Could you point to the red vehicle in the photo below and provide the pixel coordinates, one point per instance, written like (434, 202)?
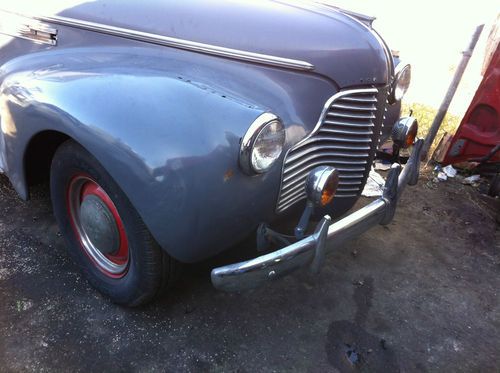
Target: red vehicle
(478, 136)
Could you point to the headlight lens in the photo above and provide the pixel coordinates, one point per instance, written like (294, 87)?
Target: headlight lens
(401, 83)
(268, 146)
(262, 144)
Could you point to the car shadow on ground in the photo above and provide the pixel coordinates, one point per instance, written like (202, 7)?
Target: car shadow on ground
(420, 294)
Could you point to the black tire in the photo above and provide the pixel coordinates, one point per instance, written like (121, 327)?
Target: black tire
(149, 270)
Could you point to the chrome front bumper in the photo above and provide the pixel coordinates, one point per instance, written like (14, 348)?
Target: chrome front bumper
(312, 249)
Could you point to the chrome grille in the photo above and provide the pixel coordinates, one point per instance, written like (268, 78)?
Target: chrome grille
(343, 138)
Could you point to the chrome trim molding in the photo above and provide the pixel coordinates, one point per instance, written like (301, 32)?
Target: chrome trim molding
(364, 18)
(248, 141)
(180, 43)
(27, 28)
(364, 145)
(326, 108)
(391, 99)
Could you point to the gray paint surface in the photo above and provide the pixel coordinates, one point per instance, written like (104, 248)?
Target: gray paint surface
(165, 122)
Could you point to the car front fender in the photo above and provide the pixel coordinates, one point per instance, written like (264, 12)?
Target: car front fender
(170, 143)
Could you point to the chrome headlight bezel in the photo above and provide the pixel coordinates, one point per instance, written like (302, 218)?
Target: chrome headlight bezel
(401, 73)
(248, 142)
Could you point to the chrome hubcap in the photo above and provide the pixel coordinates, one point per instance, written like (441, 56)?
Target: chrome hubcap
(98, 226)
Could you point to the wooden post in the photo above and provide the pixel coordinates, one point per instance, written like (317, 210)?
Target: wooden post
(466, 55)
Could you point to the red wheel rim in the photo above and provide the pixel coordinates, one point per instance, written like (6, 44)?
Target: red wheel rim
(98, 226)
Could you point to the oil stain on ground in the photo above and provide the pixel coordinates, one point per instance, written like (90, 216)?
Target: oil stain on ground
(350, 348)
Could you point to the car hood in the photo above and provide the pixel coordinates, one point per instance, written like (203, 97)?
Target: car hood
(343, 48)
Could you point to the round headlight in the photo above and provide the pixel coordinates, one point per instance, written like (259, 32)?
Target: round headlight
(262, 144)
(401, 83)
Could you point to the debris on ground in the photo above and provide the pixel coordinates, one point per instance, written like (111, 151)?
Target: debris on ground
(444, 173)
(383, 344)
(450, 171)
(441, 176)
(467, 165)
(374, 185)
(351, 354)
(381, 165)
(386, 148)
(432, 184)
(442, 147)
(471, 180)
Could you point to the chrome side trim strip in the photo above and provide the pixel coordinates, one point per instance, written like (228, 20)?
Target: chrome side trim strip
(180, 43)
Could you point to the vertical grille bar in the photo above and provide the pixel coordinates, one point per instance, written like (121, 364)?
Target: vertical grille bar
(345, 138)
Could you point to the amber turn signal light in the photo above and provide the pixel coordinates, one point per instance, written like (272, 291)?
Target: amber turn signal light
(404, 132)
(329, 190)
(321, 185)
(410, 137)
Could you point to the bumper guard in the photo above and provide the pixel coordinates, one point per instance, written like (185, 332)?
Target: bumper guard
(312, 249)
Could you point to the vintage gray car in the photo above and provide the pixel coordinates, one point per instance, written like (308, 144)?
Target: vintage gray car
(172, 130)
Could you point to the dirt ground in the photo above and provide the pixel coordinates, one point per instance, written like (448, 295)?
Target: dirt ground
(419, 295)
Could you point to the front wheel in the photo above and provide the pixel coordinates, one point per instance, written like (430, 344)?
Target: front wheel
(106, 237)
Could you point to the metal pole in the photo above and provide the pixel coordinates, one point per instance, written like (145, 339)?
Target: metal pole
(451, 92)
